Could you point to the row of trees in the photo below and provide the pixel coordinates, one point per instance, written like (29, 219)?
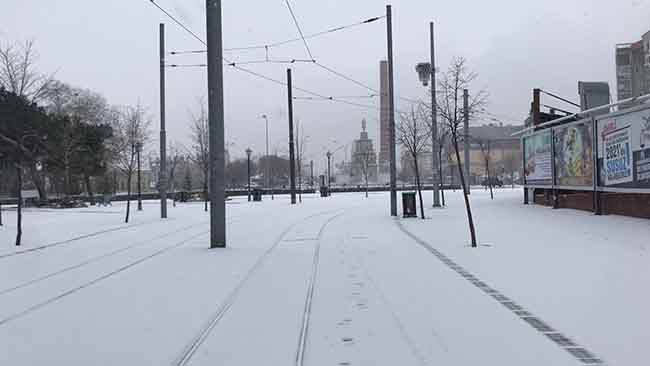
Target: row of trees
(56, 137)
(414, 127)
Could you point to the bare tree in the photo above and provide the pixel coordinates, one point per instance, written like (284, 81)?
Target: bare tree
(174, 157)
(200, 139)
(130, 129)
(18, 73)
(367, 159)
(486, 154)
(414, 134)
(450, 109)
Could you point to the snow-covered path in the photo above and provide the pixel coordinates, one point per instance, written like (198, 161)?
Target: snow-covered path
(330, 282)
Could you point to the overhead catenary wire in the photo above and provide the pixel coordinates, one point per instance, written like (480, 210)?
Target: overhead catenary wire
(281, 43)
(267, 78)
(302, 35)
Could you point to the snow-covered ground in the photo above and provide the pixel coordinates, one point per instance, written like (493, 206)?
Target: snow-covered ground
(329, 282)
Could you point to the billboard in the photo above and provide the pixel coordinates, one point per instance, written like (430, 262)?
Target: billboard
(538, 159)
(624, 150)
(574, 154)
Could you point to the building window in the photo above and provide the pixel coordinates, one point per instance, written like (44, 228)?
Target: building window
(623, 60)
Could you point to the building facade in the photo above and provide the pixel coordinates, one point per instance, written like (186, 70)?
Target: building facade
(633, 68)
(505, 156)
(364, 158)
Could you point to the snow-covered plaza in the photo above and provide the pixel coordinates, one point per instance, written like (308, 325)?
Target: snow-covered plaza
(331, 281)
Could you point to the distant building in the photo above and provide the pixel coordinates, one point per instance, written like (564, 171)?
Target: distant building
(425, 164)
(633, 68)
(505, 152)
(364, 157)
(384, 120)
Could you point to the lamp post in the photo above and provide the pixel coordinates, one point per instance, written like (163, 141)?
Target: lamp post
(138, 148)
(266, 168)
(329, 177)
(248, 155)
(426, 71)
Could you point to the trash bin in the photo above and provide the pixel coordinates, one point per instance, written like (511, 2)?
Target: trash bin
(408, 204)
(257, 195)
(324, 191)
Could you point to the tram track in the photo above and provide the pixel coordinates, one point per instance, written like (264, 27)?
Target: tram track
(204, 332)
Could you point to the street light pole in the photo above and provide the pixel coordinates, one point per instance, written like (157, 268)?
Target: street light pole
(266, 168)
(329, 177)
(162, 176)
(292, 159)
(138, 148)
(434, 124)
(311, 171)
(248, 155)
(216, 125)
(391, 113)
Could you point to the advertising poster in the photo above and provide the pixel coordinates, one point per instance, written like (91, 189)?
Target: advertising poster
(618, 157)
(574, 154)
(624, 150)
(538, 167)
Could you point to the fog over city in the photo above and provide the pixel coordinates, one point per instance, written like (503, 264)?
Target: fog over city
(112, 48)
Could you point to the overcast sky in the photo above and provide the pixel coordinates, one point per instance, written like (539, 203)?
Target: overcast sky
(111, 47)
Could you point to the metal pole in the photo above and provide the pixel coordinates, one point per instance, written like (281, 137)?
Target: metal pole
(329, 179)
(139, 148)
(162, 176)
(266, 174)
(248, 153)
(391, 111)
(434, 125)
(311, 173)
(466, 144)
(292, 159)
(216, 125)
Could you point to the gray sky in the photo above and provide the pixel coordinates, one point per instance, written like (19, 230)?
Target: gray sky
(112, 47)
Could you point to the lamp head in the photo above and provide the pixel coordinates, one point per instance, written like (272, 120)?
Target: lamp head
(424, 72)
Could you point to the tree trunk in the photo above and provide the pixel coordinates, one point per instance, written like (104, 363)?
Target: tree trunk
(19, 225)
(89, 189)
(462, 183)
(417, 184)
(39, 183)
(0, 213)
(366, 185)
(128, 197)
(205, 192)
(487, 169)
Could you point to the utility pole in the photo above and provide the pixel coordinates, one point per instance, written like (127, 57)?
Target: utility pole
(248, 167)
(391, 111)
(434, 124)
(466, 144)
(216, 125)
(162, 176)
(138, 148)
(329, 177)
(292, 159)
(266, 168)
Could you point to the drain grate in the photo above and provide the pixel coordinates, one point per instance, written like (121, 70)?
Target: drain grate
(511, 305)
(561, 339)
(538, 324)
(580, 353)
